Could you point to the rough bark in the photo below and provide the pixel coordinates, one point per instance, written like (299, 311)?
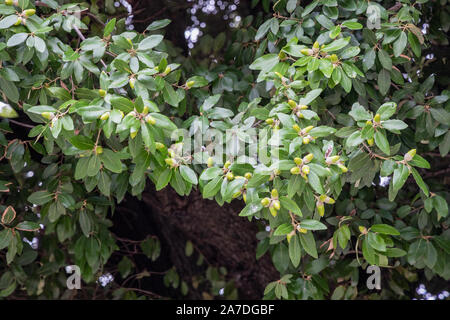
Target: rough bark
(224, 238)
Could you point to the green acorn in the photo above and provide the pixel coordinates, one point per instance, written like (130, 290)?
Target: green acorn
(265, 202)
(230, 176)
(159, 145)
(29, 12)
(308, 158)
(274, 193)
(305, 169)
(409, 155)
(99, 150)
(190, 84)
(292, 104)
(248, 175)
(320, 208)
(295, 170)
(105, 116)
(298, 161)
(276, 204)
(150, 120)
(47, 115)
(273, 211)
(101, 92)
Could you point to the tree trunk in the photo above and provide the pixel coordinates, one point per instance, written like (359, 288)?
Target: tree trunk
(224, 238)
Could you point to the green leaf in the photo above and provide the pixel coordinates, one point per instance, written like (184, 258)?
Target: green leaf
(82, 142)
(290, 205)
(111, 161)
(400, 44)
(159, 24)
(283, 229)
(17, 39)
(387, 110)
(359, 113)
(311, 224)
(40, 197)
(265, 63)
(376, 242)
(188, 174)
(393, 125)
(109, 27)
(420, 181)
(28, 226)
(123, 104)
(295, 250)
(309, 244)
(163, 179)
(382, 142)
(385, 229)
(150, 42)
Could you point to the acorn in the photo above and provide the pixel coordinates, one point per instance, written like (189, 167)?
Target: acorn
(244, 197)
(320, 208)
(190, 84)
(282, 55)
(145, 110)
(273, 211)
(269, 121)
(308, 129)
(132, 82)
(326, 199)
(332, 160)
(308, 158)
(296, 127)
(9, 2)
(227, 164)
(248, 175)
(47, 115)
(316, 45)
(230, 176)
(334, 58)
(368, 123)
(409, 155)
(101, 92)
(99, 150)
(292, 103)
(150, 120)
(370, 142)
(19, 21)
(210, 162)
(299, 115)
(167, 71)
(362, 229)
(298, 161)
(305, 169)
(171, 162)
(306, 52)
(295, 170)
(159, 145)
(302, 230)
(276, 204)
(29, 12)
(236, 194)
(133, 132)
(274, 193)
(303, 107)
(343, 168)
(105, 116)
(377, 118)
(305, 140)
(265, 202)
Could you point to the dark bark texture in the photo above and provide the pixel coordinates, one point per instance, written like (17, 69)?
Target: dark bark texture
(224, 238)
